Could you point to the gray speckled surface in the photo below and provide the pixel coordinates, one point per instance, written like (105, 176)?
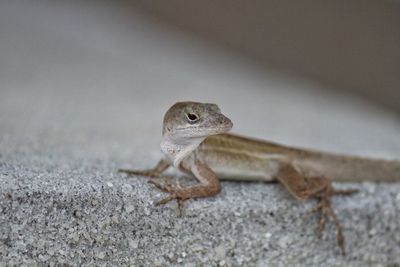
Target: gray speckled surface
(83, 91)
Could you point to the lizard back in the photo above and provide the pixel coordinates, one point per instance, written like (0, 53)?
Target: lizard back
(234, 157)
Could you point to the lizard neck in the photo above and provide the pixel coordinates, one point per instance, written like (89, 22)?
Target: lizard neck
(177, 149)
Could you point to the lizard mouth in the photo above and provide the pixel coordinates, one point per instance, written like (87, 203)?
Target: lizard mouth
(224, 127)
(205, 131)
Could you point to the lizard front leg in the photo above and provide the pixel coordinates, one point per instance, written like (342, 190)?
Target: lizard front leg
(209, 185)
(161, 166)
(303, 187)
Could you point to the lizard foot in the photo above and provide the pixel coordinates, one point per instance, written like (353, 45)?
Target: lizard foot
(175, 192)
(346, 192)
(324, 206)
(146, 173)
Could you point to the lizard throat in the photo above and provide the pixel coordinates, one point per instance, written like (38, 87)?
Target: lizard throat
(176, 151)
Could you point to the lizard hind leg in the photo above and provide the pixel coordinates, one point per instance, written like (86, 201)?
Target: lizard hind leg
(300, 186)
(303, 187)
(325, 208)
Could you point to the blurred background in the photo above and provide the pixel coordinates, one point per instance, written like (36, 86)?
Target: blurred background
(353, 45)
(323, 74)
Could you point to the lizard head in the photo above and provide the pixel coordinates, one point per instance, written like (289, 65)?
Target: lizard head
(194, 120)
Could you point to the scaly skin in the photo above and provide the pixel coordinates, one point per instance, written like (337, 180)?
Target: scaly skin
(196, 142)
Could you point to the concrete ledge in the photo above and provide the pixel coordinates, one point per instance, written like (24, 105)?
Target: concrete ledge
(83, 216)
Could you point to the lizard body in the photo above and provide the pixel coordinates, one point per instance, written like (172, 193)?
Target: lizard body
(196, 142)
(234, 157)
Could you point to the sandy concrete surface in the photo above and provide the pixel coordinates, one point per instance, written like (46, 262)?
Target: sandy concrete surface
(83, 91)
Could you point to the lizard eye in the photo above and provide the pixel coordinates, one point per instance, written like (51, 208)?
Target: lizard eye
(192, 117)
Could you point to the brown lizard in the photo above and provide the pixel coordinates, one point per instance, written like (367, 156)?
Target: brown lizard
(195, 141)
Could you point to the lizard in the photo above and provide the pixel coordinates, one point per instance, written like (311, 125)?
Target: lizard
(195, 141)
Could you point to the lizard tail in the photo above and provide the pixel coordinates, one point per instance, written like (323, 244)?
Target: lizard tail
(352, 169)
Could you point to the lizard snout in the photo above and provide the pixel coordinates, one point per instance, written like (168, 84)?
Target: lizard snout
(225, 123)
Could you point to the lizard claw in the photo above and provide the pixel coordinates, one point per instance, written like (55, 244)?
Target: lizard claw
(315, 208)
(147, 173)
(163, 187)
(170, 198)
(346, 192)
(166, 200)
(322, 221)
(324, 206)
(175, 191)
